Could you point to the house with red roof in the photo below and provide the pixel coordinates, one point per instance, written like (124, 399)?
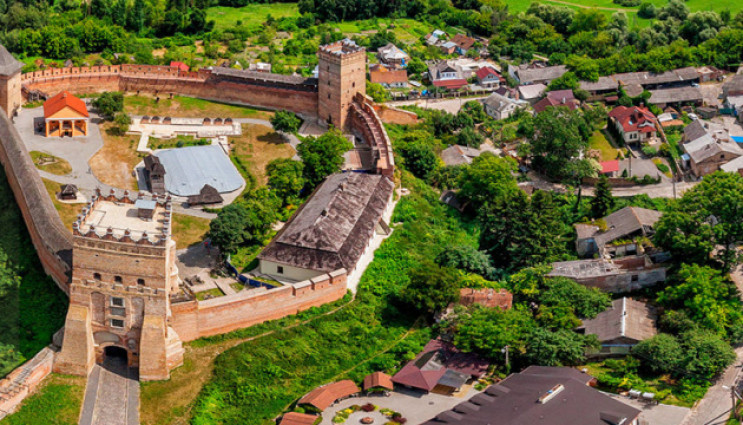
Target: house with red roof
(441, 368)
(180, 65)
(635, 124)
(488, 77)
(446, 75)
(557, 98)
(65, 115)
(610, 168)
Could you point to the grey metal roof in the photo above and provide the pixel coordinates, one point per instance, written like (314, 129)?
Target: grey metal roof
(332, 229)
(190, 168)
(679, 94)
(145, 204)
(8, 64)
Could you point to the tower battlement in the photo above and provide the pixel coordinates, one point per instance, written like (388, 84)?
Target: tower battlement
(341, 74)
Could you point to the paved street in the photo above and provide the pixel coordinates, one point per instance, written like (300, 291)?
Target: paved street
(655, 414)
(111, 395)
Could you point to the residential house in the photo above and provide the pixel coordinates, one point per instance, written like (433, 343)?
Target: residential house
(708, 146)
(610, 168)
(459, 155)
(488, 77)
(635, 124)
(392, 56)
(532, 92)
(734, 87)
(180, 65)
(435, 38)
(444, 75)
(463, 43)
(710, 73)
(615, 235)
(536, 73)
(556, 98)
(388, 77)
(501, 107)
(541, 395)
(448, 47)
(441, 368)
(621, 326)
(734, 166)
(618, 275)
(678, 96)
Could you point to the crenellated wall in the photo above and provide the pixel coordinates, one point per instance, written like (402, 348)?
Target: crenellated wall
(197, 319)
(231, 86)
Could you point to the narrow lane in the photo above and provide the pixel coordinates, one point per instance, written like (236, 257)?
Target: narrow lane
(111, 395)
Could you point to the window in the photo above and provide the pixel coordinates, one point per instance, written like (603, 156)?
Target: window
(635, 278)
(118, 311)
(140, 282)
(328, 95)
(280, 269)
(118, 279)
(117, 323)
(97, 276)
(117, 302)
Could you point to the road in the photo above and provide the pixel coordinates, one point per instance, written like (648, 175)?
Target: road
(111, 395)
(660, 190)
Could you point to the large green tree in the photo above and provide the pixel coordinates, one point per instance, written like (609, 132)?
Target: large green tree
(488, 179)
(245, 222)
(706, 221)
(431, 289)
(563, 347)
(109, 104)
(488, 330)
(602, 201)
(286, 121)
(285, 176)
(323, 156)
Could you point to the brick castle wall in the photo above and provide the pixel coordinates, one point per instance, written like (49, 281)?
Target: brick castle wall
(197, 319)
(24, 380)
(301, 99)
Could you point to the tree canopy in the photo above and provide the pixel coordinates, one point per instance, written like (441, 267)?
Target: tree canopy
(286, 121)
(323, 156)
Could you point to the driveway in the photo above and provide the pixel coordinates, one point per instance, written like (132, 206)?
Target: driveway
(639, 167)
(414, 406)
(655, 414)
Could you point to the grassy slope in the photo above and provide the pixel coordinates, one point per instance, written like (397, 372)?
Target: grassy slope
(57, 402)
(256, 381)
(188, 230)
(252, 15)
(35, 309)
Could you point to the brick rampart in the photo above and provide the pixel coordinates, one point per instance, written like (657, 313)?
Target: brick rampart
(246, 90)
(197, 319)
(53, 242)
(24, 380)
(392, 115)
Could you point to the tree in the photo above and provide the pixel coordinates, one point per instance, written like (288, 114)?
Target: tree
(705, 220)
(586, 302)
(419, 157)
(9, 358)
(109, 104)
(322, 156)
(710, 299)
(568, 81)
(467, 258)
(285, 177)
(588, 20)
(9, 279)
(431, 289)
(245, 222)
(563, 347)
(488, 330)
(286, 121)
(602, 201)
(646, 10)
(377, 92)
(468, 136)
(487, 179)
(660, 354)
(705, 354)
(560, 136)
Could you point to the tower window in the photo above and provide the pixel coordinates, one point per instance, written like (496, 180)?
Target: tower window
(328, 95)
(97, 276)
(353, 84)
(140, 282)
(118, 279)
(117, 302)
(280, 269)
(117, 323)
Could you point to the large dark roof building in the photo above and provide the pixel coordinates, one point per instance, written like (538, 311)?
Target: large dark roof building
(541, 395)
(332, 229)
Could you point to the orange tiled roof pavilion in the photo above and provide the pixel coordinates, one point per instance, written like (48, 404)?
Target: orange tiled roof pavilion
(65, 115)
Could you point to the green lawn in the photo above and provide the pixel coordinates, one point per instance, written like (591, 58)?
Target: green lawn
(57, 402)
(694, 5)
(252, 16)
(598, 141)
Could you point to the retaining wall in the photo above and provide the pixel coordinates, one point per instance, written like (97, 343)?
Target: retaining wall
(196, 319)
(24, 380)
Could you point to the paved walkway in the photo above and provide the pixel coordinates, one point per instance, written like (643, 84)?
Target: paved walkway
(655, 414)
(111, 395)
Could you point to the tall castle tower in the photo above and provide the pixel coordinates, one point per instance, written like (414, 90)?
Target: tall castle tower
(10, 82)
(122, 276)
(341, 74)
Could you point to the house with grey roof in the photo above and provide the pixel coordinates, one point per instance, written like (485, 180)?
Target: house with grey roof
(332, 230)
(616, 234)
(708, 147)
(501, 107)
(392, 55)
(541, 395)
(536, 73)
(621, 326)
(617, 275)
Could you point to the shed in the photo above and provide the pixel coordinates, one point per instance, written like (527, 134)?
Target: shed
(68, 192)
(294, 418)
(145, 208)
(378, 380)
(322, 397)
(207, 195)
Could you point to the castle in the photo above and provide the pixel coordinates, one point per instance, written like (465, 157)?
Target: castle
(118, 266)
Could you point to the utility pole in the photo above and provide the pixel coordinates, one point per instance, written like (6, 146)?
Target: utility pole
(505, 350)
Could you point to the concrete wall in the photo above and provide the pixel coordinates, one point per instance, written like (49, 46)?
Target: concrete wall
(196, 319)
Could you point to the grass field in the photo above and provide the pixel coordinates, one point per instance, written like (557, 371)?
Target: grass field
(188, 230)
(57, 402)
(609, 7)
(67, 212)
(251, 16)
(598, 141)
(257, 146)
(50, 163)
(189, 107)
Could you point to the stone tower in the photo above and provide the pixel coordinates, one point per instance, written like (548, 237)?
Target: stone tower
(341, 74)
(10, 82)
(123, 273)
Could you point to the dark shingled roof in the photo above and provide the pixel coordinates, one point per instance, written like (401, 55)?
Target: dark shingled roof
(625, 222)
(524, 399)
(8, 64)
(332, 229)
(154, 166)
(626, 318)
(264, 76)
(207, 195)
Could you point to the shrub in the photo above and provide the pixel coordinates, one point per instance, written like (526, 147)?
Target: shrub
(368, 407)
(649, 151)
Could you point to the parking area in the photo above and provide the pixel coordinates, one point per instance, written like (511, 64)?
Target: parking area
(655, 414)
